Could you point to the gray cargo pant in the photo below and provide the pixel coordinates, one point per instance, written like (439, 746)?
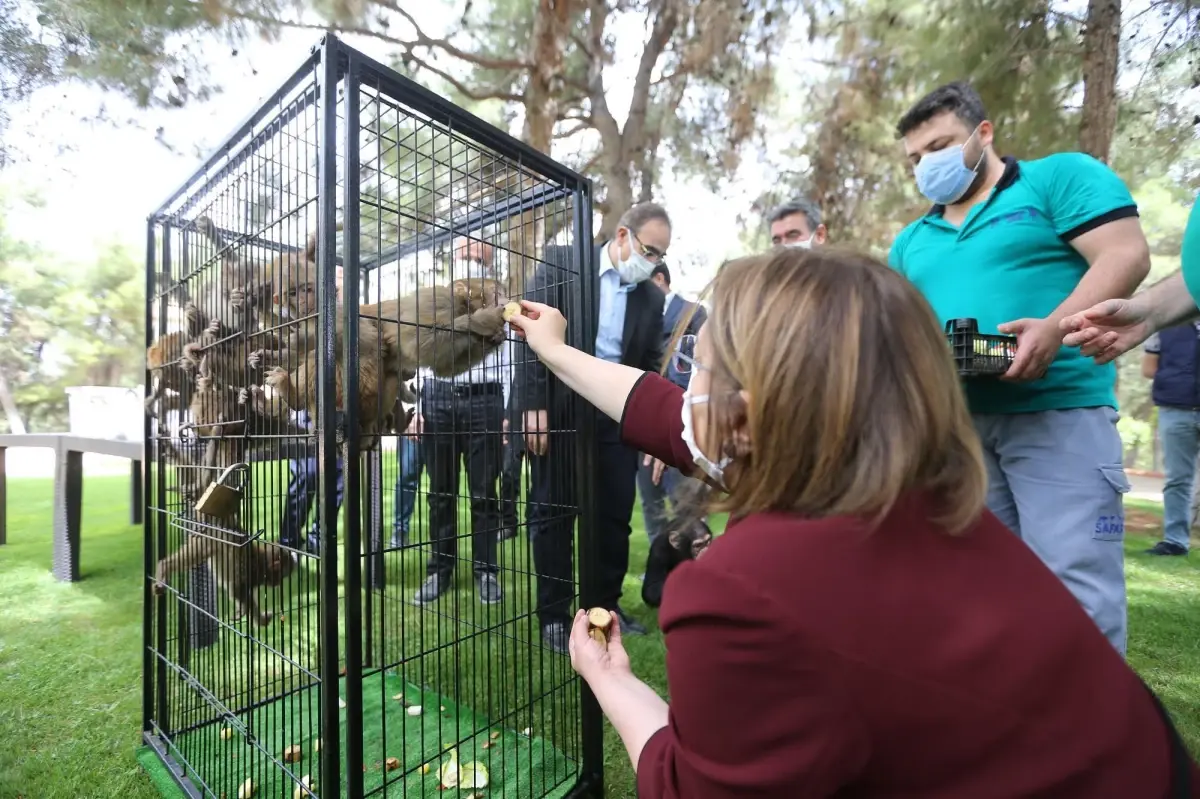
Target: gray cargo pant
(1056, 479)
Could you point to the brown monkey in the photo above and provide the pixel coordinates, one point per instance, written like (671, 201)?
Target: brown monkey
(378, 386)
(447, 329)
(167, 375)
(240, 567)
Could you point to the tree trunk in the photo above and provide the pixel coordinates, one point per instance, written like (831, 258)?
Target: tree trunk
(1101, 53)
(618, 198)
(550, 30)
(10, 408)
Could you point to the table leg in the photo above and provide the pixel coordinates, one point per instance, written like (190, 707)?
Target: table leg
(68, 490)
(3, 497)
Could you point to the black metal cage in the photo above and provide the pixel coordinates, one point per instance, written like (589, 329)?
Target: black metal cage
(285, 657)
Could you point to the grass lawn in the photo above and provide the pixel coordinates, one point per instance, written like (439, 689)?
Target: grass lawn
(70, 664)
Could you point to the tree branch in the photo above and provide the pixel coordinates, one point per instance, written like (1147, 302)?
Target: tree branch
(407, 45)
(424, 40)
(462, 88)
(566, 133)
(604, 121)
(664, 26)
(590, 164)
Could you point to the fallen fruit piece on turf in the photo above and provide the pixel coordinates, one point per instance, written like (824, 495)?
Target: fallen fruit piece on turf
(316, 746)
(510, 310)
(448, 773)
(399, 697)
(425, 768)
(495, 735)
(414, 710)
(442, 708)
(292, 754)
(247, 790)
(226, 733)
(473, 775)
(525, 732)
(391, 764)
(341, 702)
(304, 788)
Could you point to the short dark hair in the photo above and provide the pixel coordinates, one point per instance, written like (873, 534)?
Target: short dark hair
(959, 98)
(798, 205)
(637, 216)
(661, 269)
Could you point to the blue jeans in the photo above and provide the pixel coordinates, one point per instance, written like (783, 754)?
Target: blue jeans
(408, 477)
(1179, 431)
(654, 497)
(300, 496)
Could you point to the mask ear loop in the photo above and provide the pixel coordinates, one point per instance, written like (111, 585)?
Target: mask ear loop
(982, 150)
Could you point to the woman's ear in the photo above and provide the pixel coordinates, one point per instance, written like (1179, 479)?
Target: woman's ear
(741, 445)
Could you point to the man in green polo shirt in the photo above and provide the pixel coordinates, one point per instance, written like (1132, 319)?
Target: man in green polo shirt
(1116, 326)
(1018, 246)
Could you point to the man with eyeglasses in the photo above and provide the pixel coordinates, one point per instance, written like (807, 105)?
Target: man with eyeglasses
(797, 223)
(655, 482)
(627, 328)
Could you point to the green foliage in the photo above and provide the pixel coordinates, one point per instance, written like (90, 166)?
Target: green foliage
(66, 325)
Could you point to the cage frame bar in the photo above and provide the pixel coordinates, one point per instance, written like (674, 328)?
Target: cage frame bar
(329, 72)
(352, 459)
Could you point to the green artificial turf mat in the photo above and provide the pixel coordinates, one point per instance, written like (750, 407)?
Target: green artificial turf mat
(517, 765)
(159, 775)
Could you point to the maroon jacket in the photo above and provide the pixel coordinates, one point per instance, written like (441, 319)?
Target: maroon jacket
(810, 658)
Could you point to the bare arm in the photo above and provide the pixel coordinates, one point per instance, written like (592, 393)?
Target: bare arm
(1118, 261)
(1167, 303)
(1149, 365)
(604, 384)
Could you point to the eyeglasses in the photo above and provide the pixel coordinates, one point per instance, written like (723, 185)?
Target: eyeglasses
(651, 253)
(684, 357)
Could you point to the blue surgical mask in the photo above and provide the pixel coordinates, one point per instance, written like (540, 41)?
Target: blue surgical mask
(943, 177)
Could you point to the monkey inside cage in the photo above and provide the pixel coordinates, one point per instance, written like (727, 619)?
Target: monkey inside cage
(347, 573)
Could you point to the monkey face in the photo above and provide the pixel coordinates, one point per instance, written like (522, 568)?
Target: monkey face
(692, 542)
(480, 293)
(279, 566)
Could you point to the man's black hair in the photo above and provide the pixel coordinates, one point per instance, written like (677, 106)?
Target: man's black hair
(661, 269)
(959, 98)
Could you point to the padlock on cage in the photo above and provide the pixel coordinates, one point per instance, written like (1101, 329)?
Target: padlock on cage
(223, 497)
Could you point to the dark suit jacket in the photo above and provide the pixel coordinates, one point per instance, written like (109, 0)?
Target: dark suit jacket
(556, 284)
(678, 309)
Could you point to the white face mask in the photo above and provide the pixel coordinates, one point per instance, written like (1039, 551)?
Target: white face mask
(636, 268)
(801, 245)
(716, 471)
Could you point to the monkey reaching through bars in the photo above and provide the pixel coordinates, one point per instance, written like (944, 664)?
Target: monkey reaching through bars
(447, 329)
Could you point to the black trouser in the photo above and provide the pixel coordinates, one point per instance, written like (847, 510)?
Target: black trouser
(462, 422)
(553, 482)
(510, 479)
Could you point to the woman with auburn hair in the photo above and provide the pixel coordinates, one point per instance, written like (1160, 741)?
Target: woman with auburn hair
(865, 627)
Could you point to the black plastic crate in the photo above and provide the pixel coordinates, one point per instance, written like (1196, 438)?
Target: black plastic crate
(979, 354)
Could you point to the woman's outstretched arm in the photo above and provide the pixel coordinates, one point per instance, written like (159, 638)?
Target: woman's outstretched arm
(604, 384)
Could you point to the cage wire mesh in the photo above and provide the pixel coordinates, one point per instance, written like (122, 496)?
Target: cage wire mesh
(342, 594)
